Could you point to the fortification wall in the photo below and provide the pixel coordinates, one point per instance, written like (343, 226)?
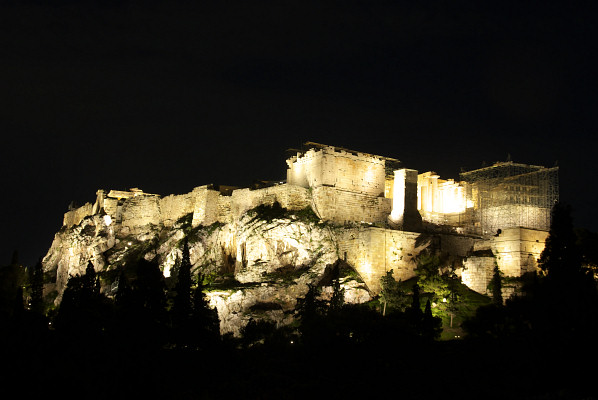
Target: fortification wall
(354, 172)
(456, 245)
(74, 217)
(224, 207)
(291, 197)
(140, 211)
(477, 273)
(112, 208)
(517, 250)
(205, 211)
(340, 206)
(173, 207)
(374, 251)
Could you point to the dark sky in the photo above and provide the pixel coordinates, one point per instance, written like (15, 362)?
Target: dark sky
(166, 96)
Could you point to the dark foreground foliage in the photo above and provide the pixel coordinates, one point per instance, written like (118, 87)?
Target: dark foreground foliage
(384, 359)
(539, 346)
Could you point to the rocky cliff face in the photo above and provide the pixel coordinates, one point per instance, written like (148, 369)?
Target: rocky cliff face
(259, 264)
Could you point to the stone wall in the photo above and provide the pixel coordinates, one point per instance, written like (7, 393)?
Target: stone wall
(74, 217)
(456, 245)
(291, 197)
(331, 204)
(477, 273)
(348, 171)
(518, 249)
(205, 211)
(513, 216)
(374, 251)
(140, 211)
(174, 207)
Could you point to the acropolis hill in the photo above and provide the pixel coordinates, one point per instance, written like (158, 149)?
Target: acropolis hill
(336, 205)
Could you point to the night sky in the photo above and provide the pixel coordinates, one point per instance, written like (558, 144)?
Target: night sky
(166, 96)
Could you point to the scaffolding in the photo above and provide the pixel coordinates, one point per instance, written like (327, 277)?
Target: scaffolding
(508, 195)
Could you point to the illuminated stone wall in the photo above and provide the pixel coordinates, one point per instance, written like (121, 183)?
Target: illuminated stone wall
(477, 273)
(353, 172)
(291, 197)
(174, 207)
(517, 250)
(140, 211)
(205, 211)
(374, 251)
(74, 217)
(346, 186)
(341, 206)
(514, 215)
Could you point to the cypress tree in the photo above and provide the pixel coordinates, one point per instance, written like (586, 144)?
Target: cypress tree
(560, 259)
(205, 319)
(182, 300)
(309, 310)
(91, 281)
(37, 288)
(414, 312)
(415, 304)
(431, 326)
(83, 308)
(338, 294)
(567, 296)
(496, 286)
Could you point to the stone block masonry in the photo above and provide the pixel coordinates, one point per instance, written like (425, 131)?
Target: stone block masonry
(136, 210)
(374, 251)
(331, 204)
(344, 170)
(74, 217)
(348, 188)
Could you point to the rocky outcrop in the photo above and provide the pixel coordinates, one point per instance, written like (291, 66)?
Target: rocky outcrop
(259, 264)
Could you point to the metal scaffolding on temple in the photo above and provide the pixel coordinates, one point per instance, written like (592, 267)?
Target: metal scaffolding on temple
(508, 194)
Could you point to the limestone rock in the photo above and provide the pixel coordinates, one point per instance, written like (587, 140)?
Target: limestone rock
(260, 264)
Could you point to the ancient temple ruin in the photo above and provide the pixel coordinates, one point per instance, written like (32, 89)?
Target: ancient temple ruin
(385, 214)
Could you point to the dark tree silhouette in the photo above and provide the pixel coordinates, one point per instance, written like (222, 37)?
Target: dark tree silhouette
(141, 305)
(392, 297)
(415, 302)
(567, 297)
(431, 326)
(496, 286)
(149, 288)
(310, 310)
(84, 311)
(91, 280)
(182, 300)
(201, 328)
(18, 305)
(558, 309)
(560, 259)
(37, 288)
(337, 300)
(124, 292)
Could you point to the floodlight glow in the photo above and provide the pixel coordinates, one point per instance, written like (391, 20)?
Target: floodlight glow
(107, 220)
(398, 196)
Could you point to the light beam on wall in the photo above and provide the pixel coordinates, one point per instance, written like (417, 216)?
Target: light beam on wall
(398, 196)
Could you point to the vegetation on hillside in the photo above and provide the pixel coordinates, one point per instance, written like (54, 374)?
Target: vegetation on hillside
(153, 339)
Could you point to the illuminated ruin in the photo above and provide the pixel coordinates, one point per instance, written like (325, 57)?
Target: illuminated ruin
(384, 215)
